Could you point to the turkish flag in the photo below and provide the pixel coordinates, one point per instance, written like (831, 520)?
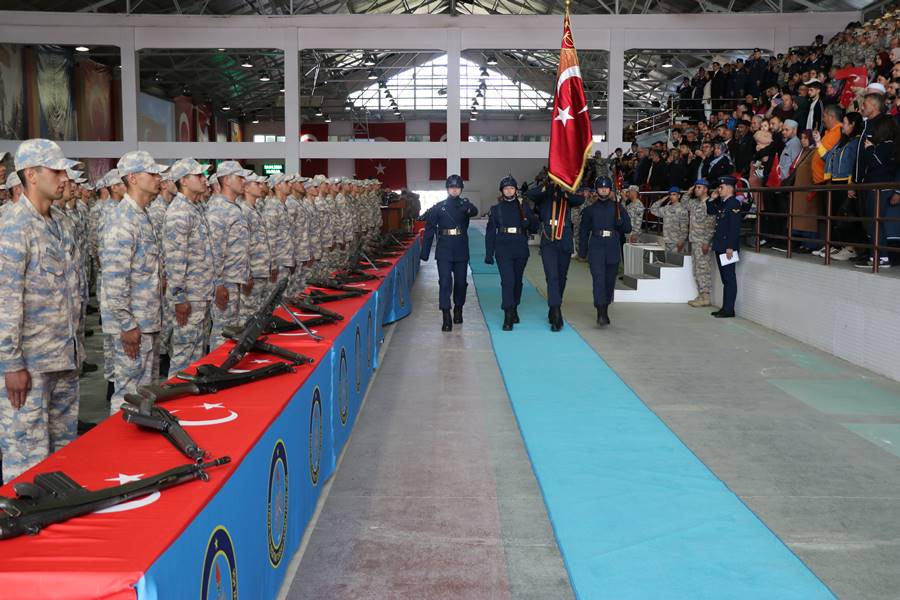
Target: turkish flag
(313, 132)
(390, 172)
(854, 77)
(184, 119)
(570, 129)
(437, 167)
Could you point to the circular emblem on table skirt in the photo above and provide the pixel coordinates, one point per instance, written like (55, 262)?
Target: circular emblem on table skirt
(315, 436)
(219, 579)
(343, 388)
(370, 335)
(277, 505)
(357, 358)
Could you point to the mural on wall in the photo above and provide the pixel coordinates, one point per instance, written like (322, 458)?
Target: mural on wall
(94, 83)
(54, 107)
(184, 119)
(12, 93)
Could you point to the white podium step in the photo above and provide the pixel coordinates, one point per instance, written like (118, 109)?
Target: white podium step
(652, 275)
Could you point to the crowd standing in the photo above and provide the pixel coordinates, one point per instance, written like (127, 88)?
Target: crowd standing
(175, 257)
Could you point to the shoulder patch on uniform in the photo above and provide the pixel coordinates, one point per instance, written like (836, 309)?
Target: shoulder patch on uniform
(737, 210)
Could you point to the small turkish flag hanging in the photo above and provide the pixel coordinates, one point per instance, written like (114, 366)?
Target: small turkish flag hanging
(570, 129)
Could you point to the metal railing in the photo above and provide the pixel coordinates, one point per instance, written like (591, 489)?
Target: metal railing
(877, 219)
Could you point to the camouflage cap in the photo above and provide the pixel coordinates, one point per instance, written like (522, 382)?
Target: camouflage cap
(13, 180)
(139, 161)
(111, 178)
(254, 178)
(185, 167)
(75, 176)
(310, 183)
(41, 153)
(276, 178)
(232, 167)
(2, 155)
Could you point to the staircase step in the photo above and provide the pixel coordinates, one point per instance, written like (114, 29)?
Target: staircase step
(655, 269)
(631, 281)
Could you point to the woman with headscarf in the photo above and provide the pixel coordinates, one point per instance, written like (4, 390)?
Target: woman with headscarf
(804, 205)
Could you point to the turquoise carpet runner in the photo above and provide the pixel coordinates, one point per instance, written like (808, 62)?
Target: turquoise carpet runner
(635, 512)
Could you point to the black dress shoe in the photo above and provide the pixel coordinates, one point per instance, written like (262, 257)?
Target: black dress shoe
(603, 317)
(88, 333)
(85, 426)
(556, 319)
(724, 315)
(515, 314)
(87, 367)
(90, 309)
(457, 314)
(508, 320)
(447, 325)
(715, 313)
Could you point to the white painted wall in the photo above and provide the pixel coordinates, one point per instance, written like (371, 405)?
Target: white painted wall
(846, 312)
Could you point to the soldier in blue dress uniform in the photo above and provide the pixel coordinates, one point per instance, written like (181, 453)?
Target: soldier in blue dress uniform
(552, 205)
(603, 224)
(449, 221)
(506, 239)
(726, 240)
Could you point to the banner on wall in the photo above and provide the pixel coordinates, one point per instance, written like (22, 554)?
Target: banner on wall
(12, 93)
(313, 132)
(390, 171)
(235, 133)
(94, 82)
(437, 167)
(156, 118)
(53, 104)
(184, 119)
(221, 126)
(204, 123)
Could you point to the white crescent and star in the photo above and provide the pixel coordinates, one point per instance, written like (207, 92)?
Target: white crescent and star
(563, 115)
(122, 479)
(209, 406)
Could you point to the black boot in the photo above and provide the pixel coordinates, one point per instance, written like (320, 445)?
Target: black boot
(164, 361)
(87, 367)
(556, 319)
(457, 314)
(88, 333)
(515, 314)
(603, 316)
(448, 322)
(508, 320)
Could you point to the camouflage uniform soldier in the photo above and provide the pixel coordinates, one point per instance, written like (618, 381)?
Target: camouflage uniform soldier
(188, 266)
(635, 209)
(308, 203)
(344, 226)
(39, 350)
(702, 228)
(299, 223)
(65, 212)
(279, 226)
(130, 304)
(230, 246)
(115, 191)
(157, 213)
(262, 264)
(14, 188)
(675, 220)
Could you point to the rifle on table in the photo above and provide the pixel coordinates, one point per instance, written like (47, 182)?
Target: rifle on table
(325, 316)
(346, 291)
(55, 497)
(211, 378)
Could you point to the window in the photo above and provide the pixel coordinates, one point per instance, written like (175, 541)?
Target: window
(425, 88)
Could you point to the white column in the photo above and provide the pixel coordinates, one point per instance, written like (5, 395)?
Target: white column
(454, 151)
(291, 100)
(130, 89)
(615, 106)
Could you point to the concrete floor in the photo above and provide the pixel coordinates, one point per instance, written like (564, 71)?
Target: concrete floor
(435, 498)
(809, 442)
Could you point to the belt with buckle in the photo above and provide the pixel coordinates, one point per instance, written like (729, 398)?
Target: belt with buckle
(456, 231)
(510, 230)
(603, 233)
(553, 222)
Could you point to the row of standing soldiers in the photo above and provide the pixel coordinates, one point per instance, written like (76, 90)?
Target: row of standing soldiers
(172, 271)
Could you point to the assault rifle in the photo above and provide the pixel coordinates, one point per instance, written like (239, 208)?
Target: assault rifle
(346, 291)
(211, 378)
(56, 497)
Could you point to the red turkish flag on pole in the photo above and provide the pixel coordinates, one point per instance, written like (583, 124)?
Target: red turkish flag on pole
(570, 129)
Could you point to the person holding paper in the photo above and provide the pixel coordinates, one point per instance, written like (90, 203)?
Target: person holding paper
(726, 240)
